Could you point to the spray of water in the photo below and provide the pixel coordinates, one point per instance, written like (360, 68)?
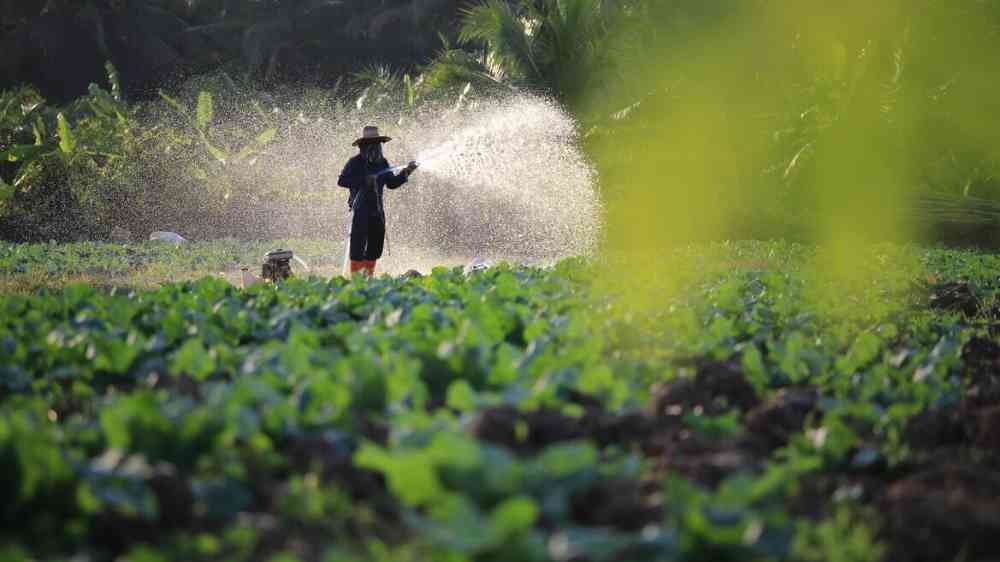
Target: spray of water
(502, 179)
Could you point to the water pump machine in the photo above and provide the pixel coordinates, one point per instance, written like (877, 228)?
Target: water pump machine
(277, 265)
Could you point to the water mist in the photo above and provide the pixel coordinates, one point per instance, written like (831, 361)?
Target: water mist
(501, 179)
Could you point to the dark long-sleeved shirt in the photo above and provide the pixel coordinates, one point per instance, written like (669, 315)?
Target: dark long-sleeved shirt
(363, 199)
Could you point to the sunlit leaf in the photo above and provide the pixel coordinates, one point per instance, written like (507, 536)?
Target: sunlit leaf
(193, 359)
(267, 136)
(173, 102)
(67, 143)
(514, 515)
(206, 111)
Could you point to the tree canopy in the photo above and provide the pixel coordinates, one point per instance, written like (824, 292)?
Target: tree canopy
(60, 46)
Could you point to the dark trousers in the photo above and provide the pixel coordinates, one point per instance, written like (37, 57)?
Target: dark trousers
(367, 236)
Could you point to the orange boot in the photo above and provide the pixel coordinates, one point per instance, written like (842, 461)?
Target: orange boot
(370, 268)
(358, 265)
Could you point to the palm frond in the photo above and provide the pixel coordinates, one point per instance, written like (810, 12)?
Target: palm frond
(453, 68)
(378, 76)
(505, 35)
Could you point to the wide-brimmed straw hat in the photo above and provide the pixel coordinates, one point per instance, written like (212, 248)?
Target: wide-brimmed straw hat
(370, 135)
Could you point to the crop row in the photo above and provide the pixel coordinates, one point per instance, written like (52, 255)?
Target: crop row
(755, 412)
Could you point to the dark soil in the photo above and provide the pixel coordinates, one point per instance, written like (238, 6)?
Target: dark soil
(525, 431)
(716, 388)
(987, 424)
(936, 428)
(948, 506)
(659, 432)
(174, 498)
(942, 506)
(331, 455)
(981, 359)
(705, 461)
(955, 296)
(813, 498)
(976, 421)
(774, 422)
(981, 354)
(623, 504)
(944, 513)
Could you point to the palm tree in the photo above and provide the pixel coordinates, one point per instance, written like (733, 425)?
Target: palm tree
(454, 67)
(61, 45)
(548, 44)
(571, 41)
(507, 36)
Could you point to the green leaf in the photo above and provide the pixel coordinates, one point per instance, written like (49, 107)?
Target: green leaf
(193, 359)
(454, 449)
(866, 348)
(246, 152)
(113, 80)
(174, 103)
(461, 396)
(507, 286)
(267, 136)
(456, 523)
(411, 91)
(145, 553)
(22, 152)
(411, 475)
(117, 355)
(567, 458)
(199, 174)
(6, 191)
(514, 515)
(465, 94)
(216, 152)
(66, 141)
(39, 130)
(206, 110)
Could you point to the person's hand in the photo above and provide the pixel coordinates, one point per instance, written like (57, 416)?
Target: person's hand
(410, 167)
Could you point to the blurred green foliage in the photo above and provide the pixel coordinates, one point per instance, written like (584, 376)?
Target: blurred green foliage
(730, 118)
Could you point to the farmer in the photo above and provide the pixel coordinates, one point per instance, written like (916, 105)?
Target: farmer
(366, 175)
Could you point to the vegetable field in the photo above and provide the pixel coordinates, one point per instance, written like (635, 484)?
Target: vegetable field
(755, 409)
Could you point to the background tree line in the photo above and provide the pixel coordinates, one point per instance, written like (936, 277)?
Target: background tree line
(755, 106)
(60, 46)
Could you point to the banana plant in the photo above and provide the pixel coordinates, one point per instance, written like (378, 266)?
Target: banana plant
(96, 131)
(200, 120)
(199, 128)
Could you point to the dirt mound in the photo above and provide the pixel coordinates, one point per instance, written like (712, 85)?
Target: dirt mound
(954, 296)
(624, 504)
(659, 432)
(331, 454)
(709, 462)
(987, 423)
(980, 354)
(935, 428)
(774, 422)
(944, 513)
(174, 498)
(525, 431)
(981, 358)
(717, 387)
